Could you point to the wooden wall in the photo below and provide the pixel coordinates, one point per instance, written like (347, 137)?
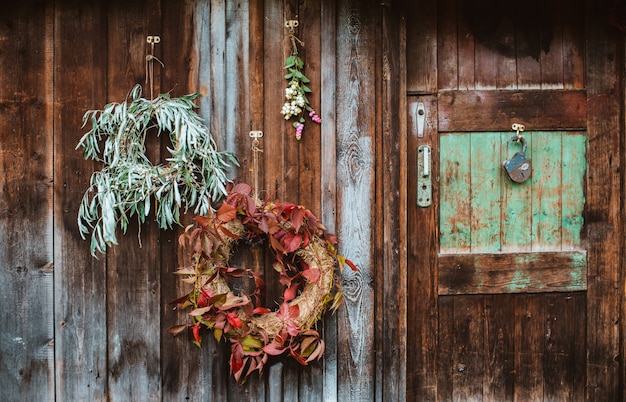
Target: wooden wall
(73, 327)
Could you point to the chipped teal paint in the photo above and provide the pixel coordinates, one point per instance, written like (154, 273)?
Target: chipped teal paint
(520, 281)
(482, 211)
(574, 170)
(546, 194)
(486, 199)
(516, 214)
(454, 222)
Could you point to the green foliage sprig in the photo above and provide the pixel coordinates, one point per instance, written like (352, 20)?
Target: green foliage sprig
(194, 175)
(296, 100)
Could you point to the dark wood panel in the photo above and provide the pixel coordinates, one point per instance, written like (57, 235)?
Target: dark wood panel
(26, 202)
(498, 379)
(512, 273)
(80, 280)
(133, 269)
(390, 241)
(421, 50)
(422, 246)
(498, 110)
(604, 212)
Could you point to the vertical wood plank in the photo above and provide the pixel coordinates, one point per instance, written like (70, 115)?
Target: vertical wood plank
(455, 193)
(422, 249)
(391, 173)
(562, 330)
(446, 369)
(551, 57)
(516, 204)
(357, 35)
(604, 221)
(188, 373)
(546, 181)
(468, 334)
(449, 62)
(328, 169)
(80, 280)
(466, 44)
(421, 56)
(486, 65)
(26, 201)
(573, 43)
(133, 274)
(499, 348)
(574, 169)
(485, 196)
(529, 343)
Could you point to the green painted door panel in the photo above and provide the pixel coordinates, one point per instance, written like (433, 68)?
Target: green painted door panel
(482, 211)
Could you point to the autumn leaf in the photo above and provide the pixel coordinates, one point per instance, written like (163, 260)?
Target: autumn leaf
(242, 188)
(203, 221)
(234, 319)
(176, 329)
(311, 274)
(290, 293)
(291, 242)
(351, 265)
(196, 334)
(261, 310)
(226, 213)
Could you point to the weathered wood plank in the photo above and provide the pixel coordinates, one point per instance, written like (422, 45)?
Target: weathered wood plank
(561, 331)
(188, 373)
(546, 195)
(448, 43)
(328, 176)
(133, 272)
(551, 56)
(499, 347)
(80, 291)
(455, 194)
(467, 351)
(603, 58)
(421, 55)
(573, 173)
(516, 208)
(391, 241)
(445, 358)
(26, 202)
(529, 346)
(497, 110)
(512, 273)
(573, 43)
(485, 199)
(358, 36)
(422, 240)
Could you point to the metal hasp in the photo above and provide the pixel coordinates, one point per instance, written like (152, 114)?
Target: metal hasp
(424, 183)
(518, 168)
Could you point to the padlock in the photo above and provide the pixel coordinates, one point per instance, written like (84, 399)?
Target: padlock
(518, 168)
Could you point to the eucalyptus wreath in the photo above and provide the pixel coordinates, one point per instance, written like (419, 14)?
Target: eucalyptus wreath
(195, 173)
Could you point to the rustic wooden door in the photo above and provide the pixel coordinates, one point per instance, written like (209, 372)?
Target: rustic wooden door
(512, 286)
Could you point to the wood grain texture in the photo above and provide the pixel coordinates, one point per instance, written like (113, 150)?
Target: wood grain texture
(80, 280)
(422, 247)
(133, 271)
(357, 26)
(390, 242)
(512, 273)
(603, 217)
(26, 202)
(498, 110)
(328, 176)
